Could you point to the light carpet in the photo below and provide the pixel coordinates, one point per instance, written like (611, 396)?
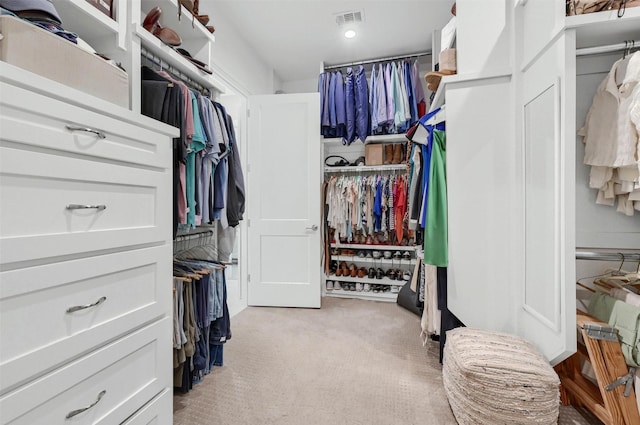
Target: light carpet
(351, 362)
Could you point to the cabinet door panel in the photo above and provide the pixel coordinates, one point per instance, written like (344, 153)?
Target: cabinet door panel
(481, 181)
(547, 317)
(541, 21)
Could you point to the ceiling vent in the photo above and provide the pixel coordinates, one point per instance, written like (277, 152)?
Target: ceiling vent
(352, 17)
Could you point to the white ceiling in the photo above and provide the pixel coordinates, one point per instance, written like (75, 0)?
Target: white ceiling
(295, 36)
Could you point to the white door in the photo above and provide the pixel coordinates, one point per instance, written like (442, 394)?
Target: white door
(547, 107)
(284, 200)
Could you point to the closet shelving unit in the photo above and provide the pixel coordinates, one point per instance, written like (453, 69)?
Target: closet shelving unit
(334, 146)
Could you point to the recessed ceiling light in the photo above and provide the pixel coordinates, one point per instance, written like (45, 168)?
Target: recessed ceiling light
(349, 33)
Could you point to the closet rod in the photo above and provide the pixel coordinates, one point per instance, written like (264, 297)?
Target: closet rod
(171, 70)
(586, 51)
(198, 232)
(387, 59)
(607, 256)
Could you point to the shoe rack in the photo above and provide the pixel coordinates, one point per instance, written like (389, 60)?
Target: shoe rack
(375, 284)
(365, 287)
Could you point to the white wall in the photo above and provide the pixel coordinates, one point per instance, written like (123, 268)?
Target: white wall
(300, 86)
(238, 62)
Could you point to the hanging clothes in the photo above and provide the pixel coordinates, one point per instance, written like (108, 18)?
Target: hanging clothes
(435, 235)
(611, 137)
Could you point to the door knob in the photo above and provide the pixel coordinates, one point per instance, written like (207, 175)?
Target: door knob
(314, 228)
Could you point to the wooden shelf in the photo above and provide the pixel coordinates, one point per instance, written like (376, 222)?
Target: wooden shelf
(380, 296)
(374, 247)
(379, 261)
(366, 168)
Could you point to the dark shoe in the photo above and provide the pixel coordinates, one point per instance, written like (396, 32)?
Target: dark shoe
(372, 273)
(379, 273)
(391, 274)
(406, 255)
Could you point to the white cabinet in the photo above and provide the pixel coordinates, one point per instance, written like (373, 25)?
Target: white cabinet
(513, 187)
(85, 256)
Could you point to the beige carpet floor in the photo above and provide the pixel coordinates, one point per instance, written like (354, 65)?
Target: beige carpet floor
(351, 362)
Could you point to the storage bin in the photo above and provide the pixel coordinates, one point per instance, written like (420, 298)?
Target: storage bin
(373, 154)
(41, 52)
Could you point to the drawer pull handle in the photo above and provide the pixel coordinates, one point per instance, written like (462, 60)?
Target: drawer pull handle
(86, 207)
(84, 409)
(98, 133)
(84, 307)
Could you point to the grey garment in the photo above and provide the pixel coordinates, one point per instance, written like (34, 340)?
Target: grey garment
(414, 185)
(219, 310)
(177, 327)
(216, 294)
(226, 241)
(182, 338)
(222, 119)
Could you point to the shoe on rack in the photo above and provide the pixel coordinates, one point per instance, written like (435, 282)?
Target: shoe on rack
(368, 255)
(336, 286)
(397, 154)
(361, 254)
(376, 254)
(387, 255)
(329, 285)
(369, 240)
(372, 273)
(397, 255)
(391, 274)
(379, 273)
(367, 287)
(395, 289)
(375, 288)
(358, 287)
(406, 276)
(362, 272)
(388, 154)
(406, 255)
(352, 286)
(387, 288)
(338, 272)
(353, 270)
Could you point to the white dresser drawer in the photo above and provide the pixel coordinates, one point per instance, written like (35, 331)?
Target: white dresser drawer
(124, 291)
(36, 188)
(128, 372)
(158, 411)
(40, 121)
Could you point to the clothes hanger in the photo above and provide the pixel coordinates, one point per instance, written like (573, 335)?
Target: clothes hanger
(439, 117)
(621, 70)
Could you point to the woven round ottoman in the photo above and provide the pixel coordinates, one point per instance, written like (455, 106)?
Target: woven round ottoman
(492, 378)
